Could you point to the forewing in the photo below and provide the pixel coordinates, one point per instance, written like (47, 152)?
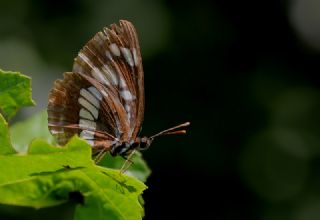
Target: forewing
(102, 100)
(112, 57)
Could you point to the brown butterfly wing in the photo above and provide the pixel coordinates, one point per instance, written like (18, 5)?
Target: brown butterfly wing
(108, 75)
(67, 116)
(62, 107)
(113, 58)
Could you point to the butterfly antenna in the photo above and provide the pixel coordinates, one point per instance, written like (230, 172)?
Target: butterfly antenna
(173, 130)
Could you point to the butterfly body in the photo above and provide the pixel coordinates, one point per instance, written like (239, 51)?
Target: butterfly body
(102, 99)
(125, 148)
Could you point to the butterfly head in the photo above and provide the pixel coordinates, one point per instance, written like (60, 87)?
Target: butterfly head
(125, 148)
(145, 143)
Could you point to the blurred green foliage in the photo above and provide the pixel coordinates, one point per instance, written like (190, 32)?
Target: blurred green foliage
(23, 132)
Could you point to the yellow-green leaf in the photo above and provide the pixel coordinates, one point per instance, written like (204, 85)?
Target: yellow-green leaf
(5, 144)
(15, 92)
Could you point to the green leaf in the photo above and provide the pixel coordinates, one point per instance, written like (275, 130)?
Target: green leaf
(22, 133)
(5, 144)
(15, 92)
(47, 175)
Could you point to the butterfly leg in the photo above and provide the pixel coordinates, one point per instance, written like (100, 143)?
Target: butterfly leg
(127, 163)
(100, 156)
(102, 147)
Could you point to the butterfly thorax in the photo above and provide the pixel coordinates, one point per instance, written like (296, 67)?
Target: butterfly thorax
(125, 148)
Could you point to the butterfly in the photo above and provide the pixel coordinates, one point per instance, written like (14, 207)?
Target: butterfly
(102, 99)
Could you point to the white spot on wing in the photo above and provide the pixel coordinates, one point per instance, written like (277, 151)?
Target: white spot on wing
(91, 98)
(85, 114)
(104, 93)
(87, 124)
(83, 57)
(98, 75)
(127, 55)
(89, 107)
(111, 74)
(128, 108)
(135, 56)
(95, 92)
(126, 95)
(114, 49)
(122, 83)
(89, 135)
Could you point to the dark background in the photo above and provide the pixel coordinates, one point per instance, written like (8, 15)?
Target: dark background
(244, 73)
